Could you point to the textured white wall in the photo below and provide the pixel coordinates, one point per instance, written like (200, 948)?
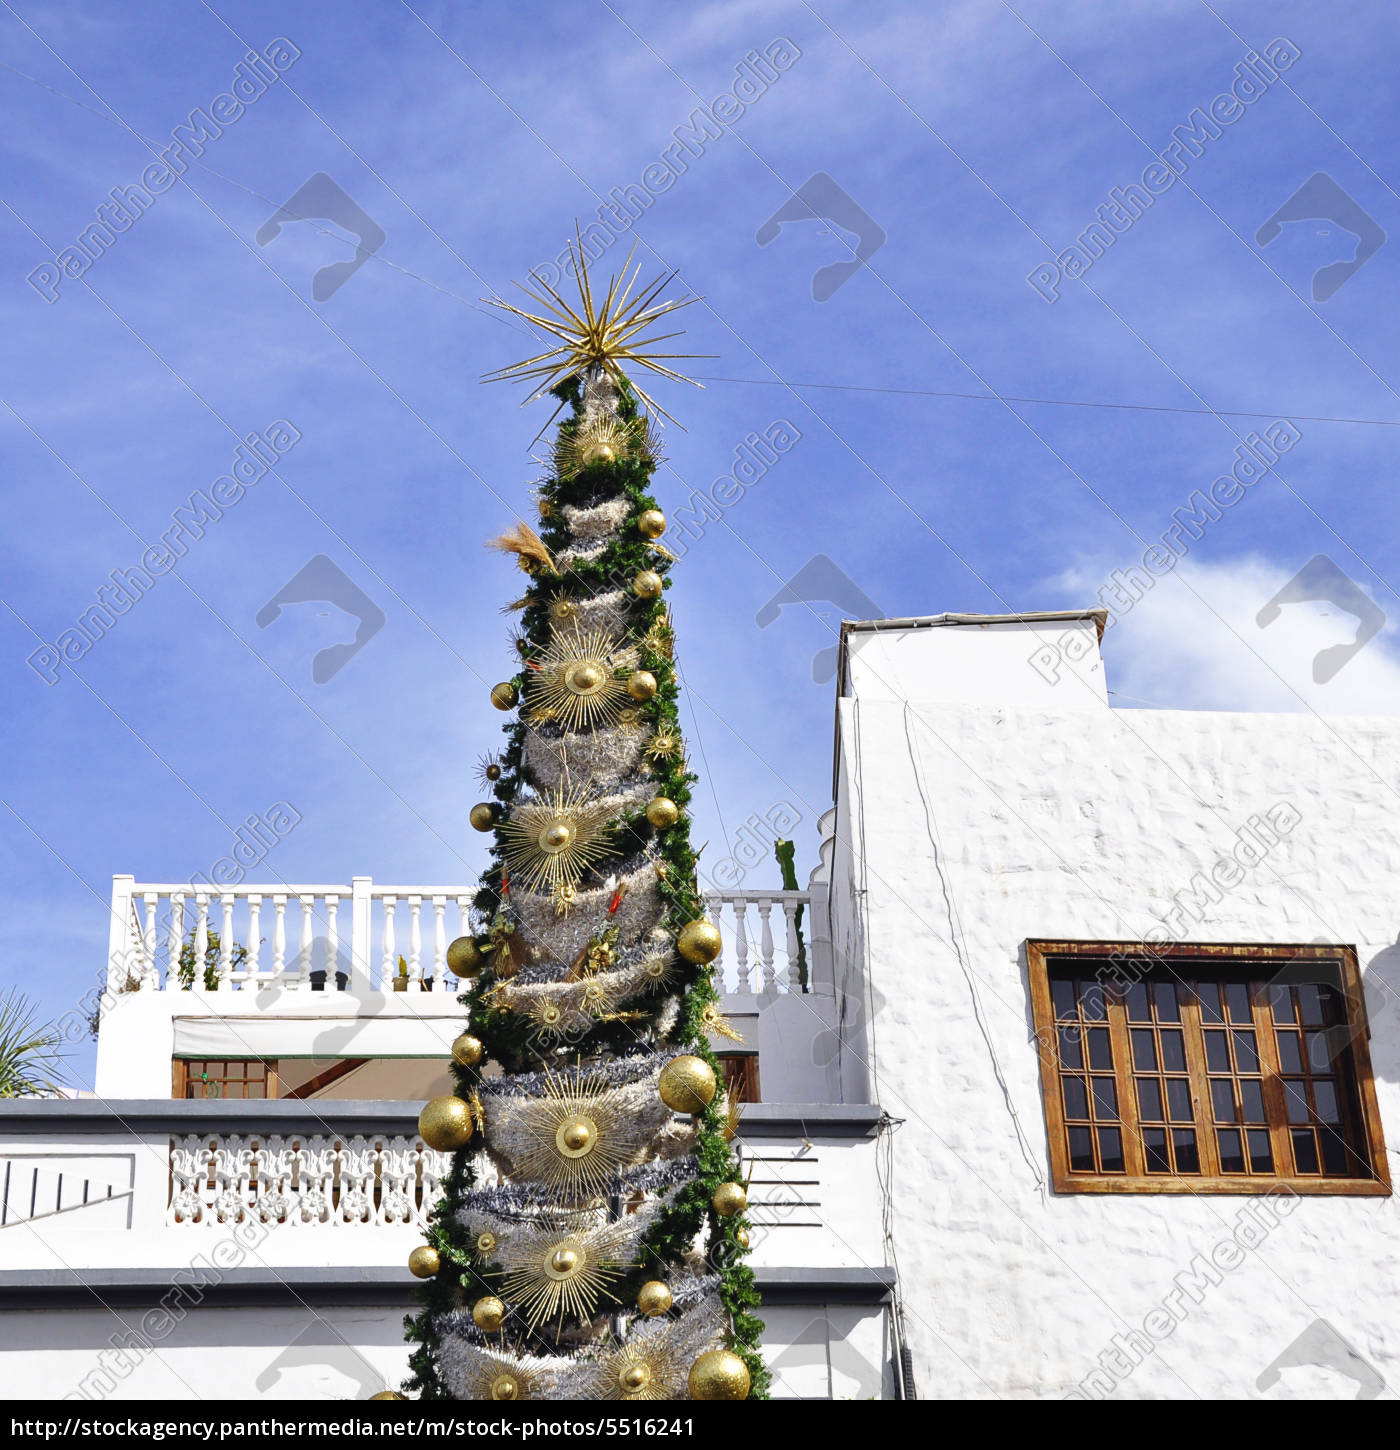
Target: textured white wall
(1086, 824)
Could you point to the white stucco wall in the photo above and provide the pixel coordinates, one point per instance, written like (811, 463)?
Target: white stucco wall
(963, 830)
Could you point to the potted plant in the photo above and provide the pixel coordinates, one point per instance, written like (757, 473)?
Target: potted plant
(401, 977)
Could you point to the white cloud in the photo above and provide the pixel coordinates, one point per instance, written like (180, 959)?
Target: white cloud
(1193, 642)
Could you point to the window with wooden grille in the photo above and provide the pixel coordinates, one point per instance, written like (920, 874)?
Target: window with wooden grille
(210, 1078)
(1205, 1069)
(740, 1075)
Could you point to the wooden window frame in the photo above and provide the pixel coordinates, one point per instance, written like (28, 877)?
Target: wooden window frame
(745, 1072)
(180, 1078)
(1196, 960)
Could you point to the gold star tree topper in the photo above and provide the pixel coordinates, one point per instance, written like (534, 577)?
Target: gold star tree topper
(592, 335)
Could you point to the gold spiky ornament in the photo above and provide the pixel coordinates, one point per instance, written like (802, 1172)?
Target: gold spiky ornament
(574, 680)
(552, 840)
(597, 336)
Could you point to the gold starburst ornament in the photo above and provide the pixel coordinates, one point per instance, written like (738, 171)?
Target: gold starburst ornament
(579, 1136)
(552, 840)
(602, 335)
(574, 680)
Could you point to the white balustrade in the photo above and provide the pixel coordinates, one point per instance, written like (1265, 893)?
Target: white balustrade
(303, 1179)
(767, 953)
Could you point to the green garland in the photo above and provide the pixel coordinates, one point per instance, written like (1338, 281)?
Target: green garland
(670, 1239)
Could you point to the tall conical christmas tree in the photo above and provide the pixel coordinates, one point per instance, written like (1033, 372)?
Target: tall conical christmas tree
(591, 1235)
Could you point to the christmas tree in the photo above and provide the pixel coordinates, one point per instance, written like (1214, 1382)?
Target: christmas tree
(591, 1235)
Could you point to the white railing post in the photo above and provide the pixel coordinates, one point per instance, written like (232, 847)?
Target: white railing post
(253, 966)
(201, 938)
(332, 942)
(119, 936)
(361, 924)
(225, 977)
(389, 967)
(415, 940)
(308, 911)
(440, 942)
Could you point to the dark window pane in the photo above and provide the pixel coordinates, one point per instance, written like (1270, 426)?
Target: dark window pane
(1081, 1150)
(1188, 1160)
(256, 1090)
(1335, 1159)
(1071, 1047)
(1154, 1146)
(1092, 999)
(1100, 1049)
(1304, 1150)
(1208, 994)
(1111, 1150)
(1295, 1095)
(1222, 1097)
(1332, 1007)
(1136, 998)
(1325, 1100)
(1310, 1001)
(1319, 1051)
(1144, 1049)
(1179, 1100)
(1261, 1151)
(1252, 1094)
(1149, 1100)
(1290, 1052)
(1217, 1052)
(1173, 1050)
(1231, 1150)
(1281, 1002)
(1105, 1099)
(1246, 1053)
(1164, 995)
(1237, 1002)
(1062, 991)
(1076, 1098)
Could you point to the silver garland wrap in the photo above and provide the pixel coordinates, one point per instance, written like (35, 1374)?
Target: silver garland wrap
(551, 937)
(473, 1363)
(588, 524)
(607, 757)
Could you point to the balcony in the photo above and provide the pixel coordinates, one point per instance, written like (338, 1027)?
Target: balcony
(312, 971)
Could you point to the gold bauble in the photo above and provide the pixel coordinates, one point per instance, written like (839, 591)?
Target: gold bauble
(637, 1376)
(505, 1387)
(484, 815)
(467, 1050)
(585, 679)
(700, 942)
(719, 1375)
(647, 585)
(563, 1262)
(662, 812)
(653, 1298)
(388, 1395)
(741, 1237)
(464, 958)
(598, 452)
(556, 836)
(576, 1137)
(445, 1124)
(686, 1084)
(641, 685)
(491, 770)
(489, 1314)
(424, 1262)
(729, 1199)
(504, 695)
(651, 524)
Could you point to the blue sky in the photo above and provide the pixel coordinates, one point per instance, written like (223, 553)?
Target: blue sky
(979, 138)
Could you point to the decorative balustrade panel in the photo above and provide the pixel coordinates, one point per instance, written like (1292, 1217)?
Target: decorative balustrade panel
(330, 938)
(303, 1179)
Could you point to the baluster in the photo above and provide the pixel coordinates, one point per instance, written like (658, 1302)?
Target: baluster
(225, 976)
(201, 937)
(332, 943)
(464, 916)
(175, 939)
(741, 945)
(148, 938)
(415, 938)
(279, 937)
(440, 940)
(254, 938)
(794, 977)
(390, 964)
(308, 907)
(765, 945)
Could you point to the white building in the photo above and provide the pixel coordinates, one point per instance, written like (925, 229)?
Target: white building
(972, 1176)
